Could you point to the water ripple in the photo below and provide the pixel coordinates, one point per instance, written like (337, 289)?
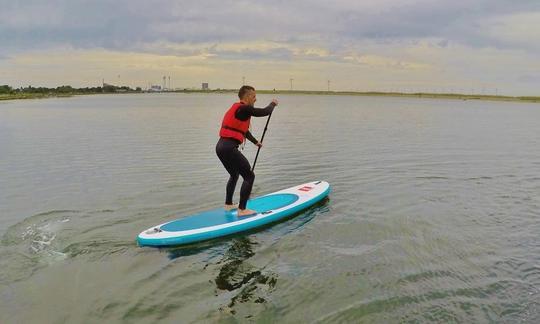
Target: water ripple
(433, 215)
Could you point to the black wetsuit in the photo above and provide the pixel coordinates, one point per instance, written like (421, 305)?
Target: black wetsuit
(234, 161)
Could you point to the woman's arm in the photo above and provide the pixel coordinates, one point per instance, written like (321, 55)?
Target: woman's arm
(244, 112)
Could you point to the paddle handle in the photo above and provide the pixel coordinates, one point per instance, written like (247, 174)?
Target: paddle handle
(262, 139)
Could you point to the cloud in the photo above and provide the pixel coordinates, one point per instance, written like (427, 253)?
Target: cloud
(365, 43)
(518, 30)
(128, 25)
(527, 78)
(423, 66)
(384, 62)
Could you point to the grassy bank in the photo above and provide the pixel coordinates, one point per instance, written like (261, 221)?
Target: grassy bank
(24, 95)
(32, 95)
(381, 94)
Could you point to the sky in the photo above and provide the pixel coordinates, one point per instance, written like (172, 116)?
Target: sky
(465, 46)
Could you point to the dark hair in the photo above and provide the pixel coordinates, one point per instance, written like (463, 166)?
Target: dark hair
(245, 89)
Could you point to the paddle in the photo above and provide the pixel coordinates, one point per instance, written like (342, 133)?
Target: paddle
(262, 139)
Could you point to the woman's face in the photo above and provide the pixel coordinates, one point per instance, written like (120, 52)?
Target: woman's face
(250, 98)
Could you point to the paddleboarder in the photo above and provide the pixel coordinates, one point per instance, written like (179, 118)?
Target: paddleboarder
(234, 131)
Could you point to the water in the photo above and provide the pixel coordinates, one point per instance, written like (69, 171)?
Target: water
(434, 214)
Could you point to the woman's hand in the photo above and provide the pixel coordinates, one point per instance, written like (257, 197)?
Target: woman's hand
(259, 144)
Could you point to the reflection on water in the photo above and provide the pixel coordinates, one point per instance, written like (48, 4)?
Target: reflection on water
(433, 215)
(237, 273)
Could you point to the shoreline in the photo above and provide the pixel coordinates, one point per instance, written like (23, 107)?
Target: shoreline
(527, 99)
(17, 96)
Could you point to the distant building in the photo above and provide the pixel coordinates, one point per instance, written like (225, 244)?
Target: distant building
(205, 86)
(155, 88)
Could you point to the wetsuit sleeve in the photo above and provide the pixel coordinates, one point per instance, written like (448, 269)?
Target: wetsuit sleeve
(251, 138)
(244, 112)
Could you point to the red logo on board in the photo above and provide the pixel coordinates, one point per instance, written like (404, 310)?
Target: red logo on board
(305, 188)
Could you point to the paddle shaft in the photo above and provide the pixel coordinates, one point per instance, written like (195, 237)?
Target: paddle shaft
(262, 139)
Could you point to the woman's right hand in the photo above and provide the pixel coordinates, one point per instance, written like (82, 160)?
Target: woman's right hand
(275, 101)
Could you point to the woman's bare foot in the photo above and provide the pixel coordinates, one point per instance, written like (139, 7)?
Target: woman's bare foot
(246, 212)
(230, 207)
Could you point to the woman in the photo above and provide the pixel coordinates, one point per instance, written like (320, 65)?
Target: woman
(234, 130)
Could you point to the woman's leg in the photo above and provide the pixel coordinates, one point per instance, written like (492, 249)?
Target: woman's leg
(249, 178)
(225, 151)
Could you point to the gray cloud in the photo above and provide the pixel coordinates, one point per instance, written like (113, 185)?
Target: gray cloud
(529, 78)
(128, 25)
(273, 54)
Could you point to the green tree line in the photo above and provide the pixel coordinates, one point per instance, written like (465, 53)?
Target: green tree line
(66, 89)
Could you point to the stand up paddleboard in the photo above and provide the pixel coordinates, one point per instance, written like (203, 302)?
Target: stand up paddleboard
(218, 222)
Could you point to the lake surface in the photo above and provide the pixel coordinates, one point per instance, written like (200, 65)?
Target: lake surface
(434, 214)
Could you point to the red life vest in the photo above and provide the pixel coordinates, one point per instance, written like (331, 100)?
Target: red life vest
(231, 126)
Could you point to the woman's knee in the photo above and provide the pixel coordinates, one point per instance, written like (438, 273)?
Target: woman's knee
(249, 176)
(233, 176)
